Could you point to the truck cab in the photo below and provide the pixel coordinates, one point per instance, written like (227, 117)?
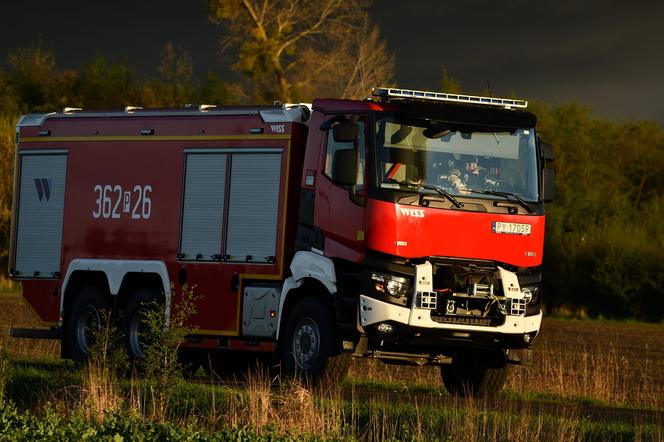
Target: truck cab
(431, 207)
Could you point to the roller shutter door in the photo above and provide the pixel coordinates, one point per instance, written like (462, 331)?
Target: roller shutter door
(41, 202)
(202, 217)
(253, 207)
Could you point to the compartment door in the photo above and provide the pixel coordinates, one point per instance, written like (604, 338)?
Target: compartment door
(203, 212)
(254, 207)
(41, 202)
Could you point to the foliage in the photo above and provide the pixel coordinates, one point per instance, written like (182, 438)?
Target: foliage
(375, 420)
(101, 393)
(4, 366)
(577, 363)
(295, 50)
(604, 232)
(55, 425)
(6, 185)
(163, 337)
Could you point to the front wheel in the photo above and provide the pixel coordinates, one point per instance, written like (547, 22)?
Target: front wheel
(85, 320)
(308, 344)
(475, 374)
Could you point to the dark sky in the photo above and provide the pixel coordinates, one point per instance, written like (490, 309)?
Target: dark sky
(606, 54)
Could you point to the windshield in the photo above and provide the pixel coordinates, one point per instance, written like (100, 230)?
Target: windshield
(415, 153)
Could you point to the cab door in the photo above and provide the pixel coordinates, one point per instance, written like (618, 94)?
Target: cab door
(340, 211)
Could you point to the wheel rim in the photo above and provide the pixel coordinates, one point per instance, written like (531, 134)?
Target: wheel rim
(87, 325)
(306, 343)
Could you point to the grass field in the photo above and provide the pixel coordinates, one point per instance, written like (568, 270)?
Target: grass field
(599, 362)
(603, 361)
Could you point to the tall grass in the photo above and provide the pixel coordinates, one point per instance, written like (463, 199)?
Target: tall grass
(602, 371)
(269, 409)
(620, 364)
(4, 365)
(100, 391)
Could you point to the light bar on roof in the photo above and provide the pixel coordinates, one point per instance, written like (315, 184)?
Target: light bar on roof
(385, 92)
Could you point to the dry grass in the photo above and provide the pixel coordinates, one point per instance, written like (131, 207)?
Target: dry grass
(286, 408)
(100, 391)
(15, 312)
(618, 363)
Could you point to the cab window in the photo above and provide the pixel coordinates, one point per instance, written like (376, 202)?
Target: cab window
(333, 146)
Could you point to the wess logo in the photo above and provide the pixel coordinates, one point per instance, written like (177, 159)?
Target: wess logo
(415, 213)
(278, 128)
(43, 188)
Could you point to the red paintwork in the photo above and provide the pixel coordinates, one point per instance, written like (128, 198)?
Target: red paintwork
(339, 218)
(452, 233)
(159, 164)
(334, 105)
(44, 301)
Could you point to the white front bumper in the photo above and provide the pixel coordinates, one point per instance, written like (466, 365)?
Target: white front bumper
(373, 311)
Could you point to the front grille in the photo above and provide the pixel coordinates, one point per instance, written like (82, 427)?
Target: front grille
(462, 320)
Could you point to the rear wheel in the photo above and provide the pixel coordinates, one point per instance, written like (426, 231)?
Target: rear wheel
(308, 344)
(85, 320)
(133, 324)
(475, 374)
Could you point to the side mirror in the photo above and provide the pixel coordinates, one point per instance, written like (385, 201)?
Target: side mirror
(345, 132)
(344, 167)
(547, 152)
(548, 184)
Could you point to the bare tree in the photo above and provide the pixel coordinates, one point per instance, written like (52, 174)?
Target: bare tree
(295, 50)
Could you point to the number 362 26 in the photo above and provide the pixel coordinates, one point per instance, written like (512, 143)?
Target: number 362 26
(113, 201)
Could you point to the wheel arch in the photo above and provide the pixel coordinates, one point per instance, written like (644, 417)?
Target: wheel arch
(116, 276)
(78, 279)
(311, 274)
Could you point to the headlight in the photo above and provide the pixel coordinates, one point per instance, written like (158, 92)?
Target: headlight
(395, 286)
(531, 294)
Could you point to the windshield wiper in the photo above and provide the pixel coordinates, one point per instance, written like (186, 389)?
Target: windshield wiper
(442, 192)
(507, 195)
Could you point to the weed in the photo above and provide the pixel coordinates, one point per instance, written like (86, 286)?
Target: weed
(100, 389)
(163, 338)
(4, 366)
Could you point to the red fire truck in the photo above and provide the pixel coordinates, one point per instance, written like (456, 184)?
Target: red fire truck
(407, 227)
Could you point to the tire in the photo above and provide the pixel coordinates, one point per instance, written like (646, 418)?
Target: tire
(133, 322)
(480, 374)
(85, 318)
(308, 343)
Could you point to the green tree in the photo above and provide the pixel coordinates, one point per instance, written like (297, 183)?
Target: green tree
(6, 186)
(103, 85)
(295, 50)
(35, 80)
(174, 85)
(603, 234)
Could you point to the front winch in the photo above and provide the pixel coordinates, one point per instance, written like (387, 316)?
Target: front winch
(487, 296)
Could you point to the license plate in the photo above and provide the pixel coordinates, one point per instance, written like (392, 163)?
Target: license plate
(510, 228)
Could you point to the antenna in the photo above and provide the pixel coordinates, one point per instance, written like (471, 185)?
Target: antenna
(488, 88)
